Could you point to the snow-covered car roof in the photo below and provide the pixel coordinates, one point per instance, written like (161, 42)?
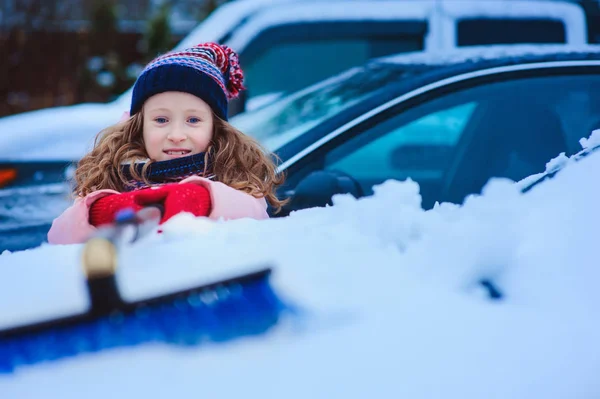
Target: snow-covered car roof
(482, 53)
(387, 293)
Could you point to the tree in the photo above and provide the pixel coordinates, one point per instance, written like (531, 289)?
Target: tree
(158, 37)
(102, 72)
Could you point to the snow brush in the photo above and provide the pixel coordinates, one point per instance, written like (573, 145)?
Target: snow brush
(221, 311)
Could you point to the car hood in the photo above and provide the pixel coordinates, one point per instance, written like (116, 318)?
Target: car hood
(61, 133)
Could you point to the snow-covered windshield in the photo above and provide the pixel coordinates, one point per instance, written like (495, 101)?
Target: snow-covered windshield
(281, 122)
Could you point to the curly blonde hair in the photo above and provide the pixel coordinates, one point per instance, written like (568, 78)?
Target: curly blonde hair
(237, 160)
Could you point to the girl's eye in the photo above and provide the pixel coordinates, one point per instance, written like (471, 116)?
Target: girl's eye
(193, 119)
(160, 120)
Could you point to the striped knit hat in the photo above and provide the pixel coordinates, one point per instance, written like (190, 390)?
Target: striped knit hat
(208, 71)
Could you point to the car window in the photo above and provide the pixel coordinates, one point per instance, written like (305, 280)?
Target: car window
(477, 32)
(453, 144)
(421, 149)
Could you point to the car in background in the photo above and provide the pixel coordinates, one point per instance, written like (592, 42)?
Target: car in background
(286, 45)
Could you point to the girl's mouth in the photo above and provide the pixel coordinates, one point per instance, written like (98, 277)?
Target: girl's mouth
(177, 152)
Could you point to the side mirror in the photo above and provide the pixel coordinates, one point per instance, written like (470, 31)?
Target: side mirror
(317, 189)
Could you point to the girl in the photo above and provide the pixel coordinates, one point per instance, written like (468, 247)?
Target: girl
(175, 150)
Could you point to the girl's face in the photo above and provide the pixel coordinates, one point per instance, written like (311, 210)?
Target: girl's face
(176, 125)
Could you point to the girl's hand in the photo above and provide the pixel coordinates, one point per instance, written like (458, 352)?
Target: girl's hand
(103, 210)
(176, 198)
(187, 197)
(173, 198)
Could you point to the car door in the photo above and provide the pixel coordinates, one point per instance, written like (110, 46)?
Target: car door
(453, 136)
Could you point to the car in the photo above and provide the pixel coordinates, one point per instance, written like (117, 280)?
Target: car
(449, 121)
(397, 297)
(448, 125)
(317, 39)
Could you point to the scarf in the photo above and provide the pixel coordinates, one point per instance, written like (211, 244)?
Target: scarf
(163, 172)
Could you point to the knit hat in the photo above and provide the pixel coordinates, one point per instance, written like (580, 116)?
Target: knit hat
(209, 71)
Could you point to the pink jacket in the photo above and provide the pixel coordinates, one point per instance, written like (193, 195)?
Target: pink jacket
(72, 226)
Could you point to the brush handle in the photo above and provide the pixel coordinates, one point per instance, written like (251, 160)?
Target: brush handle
(103, 293)
(100, 255)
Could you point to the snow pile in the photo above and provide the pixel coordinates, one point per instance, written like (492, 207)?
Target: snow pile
(592, 142)
(561, 161)
(390, 298)
(588, 144)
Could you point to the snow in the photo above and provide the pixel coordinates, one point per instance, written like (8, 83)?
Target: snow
(561, 161)
(482, 53)
(388, 294)
(32, 302)
(592, 142)
(61, 133)
(557, 163)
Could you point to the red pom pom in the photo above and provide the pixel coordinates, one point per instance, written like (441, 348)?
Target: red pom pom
(236, 75)
(228, 63)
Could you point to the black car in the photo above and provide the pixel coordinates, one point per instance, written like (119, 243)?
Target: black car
(447, 121)
(448, 125)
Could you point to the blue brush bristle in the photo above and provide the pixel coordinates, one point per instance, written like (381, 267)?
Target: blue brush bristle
(216, 315)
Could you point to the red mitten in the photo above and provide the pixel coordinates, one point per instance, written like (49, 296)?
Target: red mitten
(103, 211)
(187, 197)
(150, 196)
(176, 198)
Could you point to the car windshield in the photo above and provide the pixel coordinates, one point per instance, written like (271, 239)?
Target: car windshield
(281, 122)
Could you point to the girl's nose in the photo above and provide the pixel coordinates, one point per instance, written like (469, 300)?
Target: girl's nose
(176, 136)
